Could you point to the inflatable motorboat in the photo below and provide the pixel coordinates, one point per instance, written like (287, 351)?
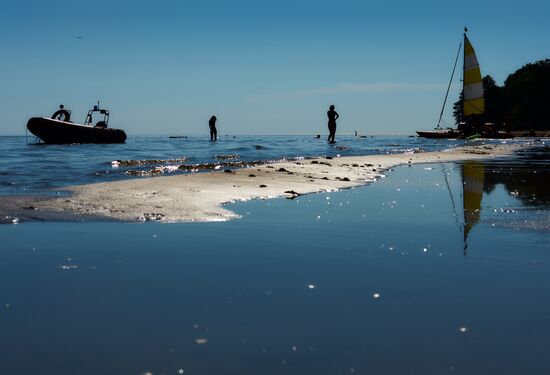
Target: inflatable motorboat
(59, 129)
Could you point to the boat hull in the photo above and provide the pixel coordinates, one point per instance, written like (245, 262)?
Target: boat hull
(453, 134)
(498, 135)
(60, 132)
(439, 134)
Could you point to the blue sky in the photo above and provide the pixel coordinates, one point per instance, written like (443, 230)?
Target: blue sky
(262, 67)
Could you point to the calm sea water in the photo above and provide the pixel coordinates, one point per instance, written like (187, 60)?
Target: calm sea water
(435, 269)
(30, 168)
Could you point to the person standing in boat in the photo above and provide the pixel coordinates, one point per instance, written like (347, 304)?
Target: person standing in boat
(332, 117)
(213, 130)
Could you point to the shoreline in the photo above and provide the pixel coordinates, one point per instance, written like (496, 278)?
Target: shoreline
(201, 197)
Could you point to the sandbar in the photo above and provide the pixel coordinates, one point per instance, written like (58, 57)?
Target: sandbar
(199, 197)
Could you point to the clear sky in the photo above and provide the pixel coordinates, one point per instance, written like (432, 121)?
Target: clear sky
(261, 66)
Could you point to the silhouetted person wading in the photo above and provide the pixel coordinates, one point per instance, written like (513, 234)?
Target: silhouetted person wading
(213, 130)
(332, 117)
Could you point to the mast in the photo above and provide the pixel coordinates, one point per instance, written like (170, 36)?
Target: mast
(449, 86)
(464, 39)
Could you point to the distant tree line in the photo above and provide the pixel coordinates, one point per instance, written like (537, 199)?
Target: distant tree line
(523, 103)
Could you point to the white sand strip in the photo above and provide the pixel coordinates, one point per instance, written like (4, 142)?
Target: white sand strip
(200, 196)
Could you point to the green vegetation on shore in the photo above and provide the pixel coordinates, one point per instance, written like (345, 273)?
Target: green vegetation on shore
(522, 104)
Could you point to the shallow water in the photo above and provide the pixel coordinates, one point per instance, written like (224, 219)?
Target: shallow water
(30, 168)
(392, 278)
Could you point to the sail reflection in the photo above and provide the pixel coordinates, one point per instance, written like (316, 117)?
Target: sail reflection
(525, 179)
(472, 193)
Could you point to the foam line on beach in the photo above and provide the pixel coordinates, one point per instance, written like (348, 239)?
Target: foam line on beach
(201, 196)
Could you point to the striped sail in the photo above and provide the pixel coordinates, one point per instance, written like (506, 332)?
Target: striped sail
(474, 103)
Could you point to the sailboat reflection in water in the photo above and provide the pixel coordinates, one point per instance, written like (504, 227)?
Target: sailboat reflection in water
(472, 192)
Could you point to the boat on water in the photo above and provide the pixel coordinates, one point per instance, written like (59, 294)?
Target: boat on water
(59, 129)
(440, 133)
(473, 103)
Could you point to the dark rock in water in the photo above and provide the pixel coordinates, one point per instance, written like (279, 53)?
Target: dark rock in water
(228, 171)
(329, 157)
(9, 220)
(152, 216)
(293, 194)
(227, 157)
(263, 186)
(133, 163)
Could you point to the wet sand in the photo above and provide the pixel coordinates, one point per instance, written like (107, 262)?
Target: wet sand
(201, 196)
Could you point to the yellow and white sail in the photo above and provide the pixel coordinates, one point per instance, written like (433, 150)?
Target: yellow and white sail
(474, 103)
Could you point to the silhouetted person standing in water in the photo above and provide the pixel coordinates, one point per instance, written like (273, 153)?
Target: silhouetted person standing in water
(213, 130)
(332, 117)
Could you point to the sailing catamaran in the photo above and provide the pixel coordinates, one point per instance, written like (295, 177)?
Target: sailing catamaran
(473, 101)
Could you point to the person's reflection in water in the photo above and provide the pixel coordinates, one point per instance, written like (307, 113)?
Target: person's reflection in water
(332, 117)
(213, 130)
